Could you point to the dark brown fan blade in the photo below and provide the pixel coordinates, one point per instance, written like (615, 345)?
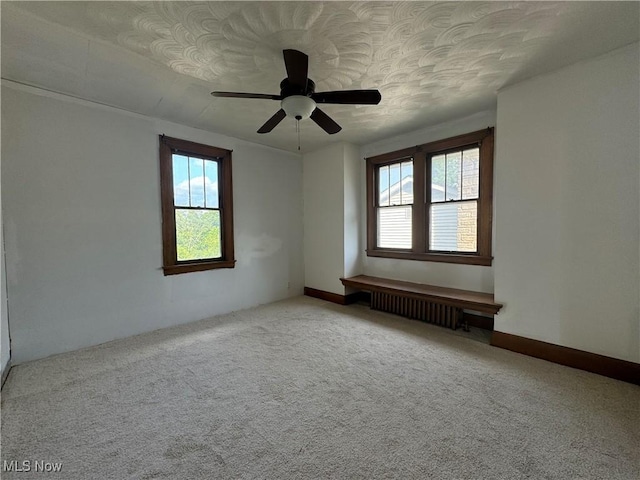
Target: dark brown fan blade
(246, 95)
(325, 122)
(353, 97)
(297, 64)
(272, 122)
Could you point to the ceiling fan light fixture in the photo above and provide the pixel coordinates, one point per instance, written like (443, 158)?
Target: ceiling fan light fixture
(298, 106)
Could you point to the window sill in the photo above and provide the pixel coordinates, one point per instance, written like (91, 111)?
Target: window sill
(432, 257)
(197, 267)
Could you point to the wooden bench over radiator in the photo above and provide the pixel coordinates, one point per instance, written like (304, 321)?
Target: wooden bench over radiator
(429, 303)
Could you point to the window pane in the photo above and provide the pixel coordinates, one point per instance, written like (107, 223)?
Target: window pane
(453, 227)
(454, 175)
(383, 186)
(196, 177)
(470, 173)
(198, 234)
(394, 227)
(394, 184)
(211, 183)
(437, 178)
(180, 180)
(406, 172)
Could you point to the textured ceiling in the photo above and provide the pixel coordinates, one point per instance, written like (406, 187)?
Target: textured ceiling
(432, 61)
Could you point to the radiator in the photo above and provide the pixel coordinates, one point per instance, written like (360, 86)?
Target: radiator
(436, 313)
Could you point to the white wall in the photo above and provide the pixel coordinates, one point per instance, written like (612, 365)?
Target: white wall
(5, 347)
(469, 277)
(567, 207)
(353, 171)
(81, 200)
(332, 177)
(323, 179)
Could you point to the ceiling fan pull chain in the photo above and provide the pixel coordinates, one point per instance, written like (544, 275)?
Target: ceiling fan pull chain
(298, 131)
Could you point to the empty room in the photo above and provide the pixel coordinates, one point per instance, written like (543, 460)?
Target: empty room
(315, 240)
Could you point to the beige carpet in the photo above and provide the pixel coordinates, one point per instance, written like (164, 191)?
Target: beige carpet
(303, 389)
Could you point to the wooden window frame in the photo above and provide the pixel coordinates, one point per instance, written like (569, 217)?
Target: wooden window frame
(171, 264)
(422, 155)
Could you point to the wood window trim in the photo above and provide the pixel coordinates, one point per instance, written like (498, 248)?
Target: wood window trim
(485, 139)
(171, 265)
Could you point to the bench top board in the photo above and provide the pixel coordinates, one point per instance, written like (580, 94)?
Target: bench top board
(478, 301)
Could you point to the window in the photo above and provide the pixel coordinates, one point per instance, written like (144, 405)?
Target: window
(395, 202)
(433, 202)
(197, 210)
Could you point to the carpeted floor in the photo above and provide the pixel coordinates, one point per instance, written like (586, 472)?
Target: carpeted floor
(304, 389)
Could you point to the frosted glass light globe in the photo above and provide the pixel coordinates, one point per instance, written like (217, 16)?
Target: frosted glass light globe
(298, 106)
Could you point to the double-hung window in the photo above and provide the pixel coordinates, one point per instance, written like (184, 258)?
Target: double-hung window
(197, 210)
(453, 206)
(433, 202)
(395, 204)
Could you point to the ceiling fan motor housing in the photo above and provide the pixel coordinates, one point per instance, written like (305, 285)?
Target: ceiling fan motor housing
(287, 89)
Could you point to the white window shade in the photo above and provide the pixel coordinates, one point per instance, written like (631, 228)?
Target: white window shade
(454, 227)
(394, 227)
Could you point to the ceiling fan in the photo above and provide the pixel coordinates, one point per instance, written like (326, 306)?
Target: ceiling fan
(298, 98)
